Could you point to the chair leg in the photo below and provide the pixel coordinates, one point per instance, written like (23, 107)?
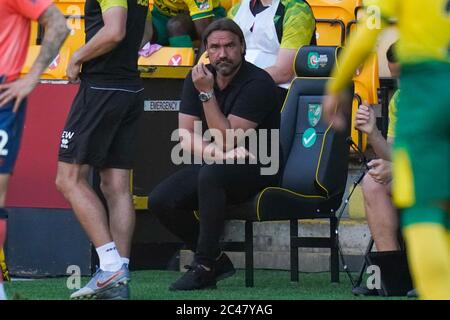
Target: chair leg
(364, 263)
(294, 249)
(248, 253)
(334, 256)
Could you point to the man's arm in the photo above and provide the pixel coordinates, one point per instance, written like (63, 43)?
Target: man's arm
(282, 71)
(365, 122)
(217, 120)
(106, 39)
(192, 141)
(148, 30)
(298, 29)
(203, 80)
(56, 32)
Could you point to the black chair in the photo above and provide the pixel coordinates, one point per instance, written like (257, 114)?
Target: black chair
(314, 167)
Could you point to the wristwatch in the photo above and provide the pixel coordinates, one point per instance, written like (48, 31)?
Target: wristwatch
(205, 96)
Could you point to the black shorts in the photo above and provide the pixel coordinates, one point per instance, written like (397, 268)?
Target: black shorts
(101, 129)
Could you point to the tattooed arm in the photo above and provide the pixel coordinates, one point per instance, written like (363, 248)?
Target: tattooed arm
(56, 32)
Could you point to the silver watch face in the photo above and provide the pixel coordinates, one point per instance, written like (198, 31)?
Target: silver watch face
(204, 96)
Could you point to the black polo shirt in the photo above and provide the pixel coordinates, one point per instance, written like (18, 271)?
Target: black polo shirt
(251, 95)
(118, 66)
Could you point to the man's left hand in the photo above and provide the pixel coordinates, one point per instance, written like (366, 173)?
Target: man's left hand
(380, 171)
(73, 69)
(17, 90)
(202, 78)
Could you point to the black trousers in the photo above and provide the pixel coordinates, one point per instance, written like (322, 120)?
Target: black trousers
(207, 190)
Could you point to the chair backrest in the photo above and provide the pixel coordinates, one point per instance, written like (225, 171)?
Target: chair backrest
(315, 156)
(73, 10)
(332, 17)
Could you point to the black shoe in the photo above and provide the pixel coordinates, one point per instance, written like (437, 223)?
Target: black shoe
(224, 267)
(412, 294)
(364, 291)
(196, 278)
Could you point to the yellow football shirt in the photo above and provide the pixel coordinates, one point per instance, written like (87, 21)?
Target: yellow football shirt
(424, 28)
(197, 9)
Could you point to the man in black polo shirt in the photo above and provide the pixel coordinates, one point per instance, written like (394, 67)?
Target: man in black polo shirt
(227, 95)
(100, 132)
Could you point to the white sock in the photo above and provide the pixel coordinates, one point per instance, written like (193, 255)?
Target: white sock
(2, 292)
(125, 261)
(109, 257)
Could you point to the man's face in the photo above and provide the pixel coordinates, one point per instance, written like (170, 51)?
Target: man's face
(225, 52)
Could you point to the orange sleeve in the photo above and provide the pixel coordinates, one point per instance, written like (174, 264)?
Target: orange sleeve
(31, 9)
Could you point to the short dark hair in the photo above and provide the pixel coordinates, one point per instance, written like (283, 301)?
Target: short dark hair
(224, 24)
(391, 55)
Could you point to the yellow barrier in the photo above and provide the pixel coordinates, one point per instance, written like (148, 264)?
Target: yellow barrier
(167, 62)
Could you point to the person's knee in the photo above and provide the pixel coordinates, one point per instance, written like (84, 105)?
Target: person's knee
(111, 187)
(211, 175)
(158, 202)
(64, 181)
(180, 25)
(371, 188)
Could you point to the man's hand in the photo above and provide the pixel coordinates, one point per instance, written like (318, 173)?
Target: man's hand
(238, 153)
(202, 78)
(331, 113)
(380, 171)
(365, 119)
(73, 69)
(17, 90)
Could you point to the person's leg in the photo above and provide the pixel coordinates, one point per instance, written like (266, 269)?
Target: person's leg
(181, 31)
(174, 200)
(159, 21)
(91, 129)
(421, 186)
(111, 279)
(71, 181)
(115, 186)
(11, 127)
(429, 259)
(219, 186)
(381, 214)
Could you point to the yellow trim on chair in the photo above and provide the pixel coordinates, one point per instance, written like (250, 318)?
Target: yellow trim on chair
(320, 158)
(287, 95)
(196, 215)
(281, 189)
(140, 203)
